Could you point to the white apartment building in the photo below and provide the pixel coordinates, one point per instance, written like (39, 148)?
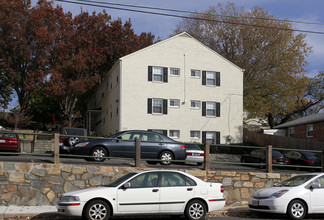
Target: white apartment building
(179, 87)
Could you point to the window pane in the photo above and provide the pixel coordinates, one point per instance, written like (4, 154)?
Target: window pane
(174, 102)
(172, 179)
(211, 109)
(157, 105)
(174, 71)
(174, 133)
(210, 78)
(194, 134)
(145, 180)
(195, 73)
(210, 137)
(195, 104)
(157, 74)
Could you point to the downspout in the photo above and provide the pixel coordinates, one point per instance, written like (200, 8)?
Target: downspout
(120, 96)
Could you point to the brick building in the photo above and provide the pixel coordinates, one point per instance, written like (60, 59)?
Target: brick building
(309, 127)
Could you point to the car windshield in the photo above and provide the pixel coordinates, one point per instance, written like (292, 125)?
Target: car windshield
(192, 147)
(8, 135)
(295, 180)
(309, 155)
(120, 180)
(276, 154)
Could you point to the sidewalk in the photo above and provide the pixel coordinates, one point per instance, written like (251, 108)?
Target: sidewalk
(44, 212)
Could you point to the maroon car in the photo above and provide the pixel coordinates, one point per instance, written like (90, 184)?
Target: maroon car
(9, 142)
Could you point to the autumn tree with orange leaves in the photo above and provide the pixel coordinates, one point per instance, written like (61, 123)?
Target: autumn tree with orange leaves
(42, 48)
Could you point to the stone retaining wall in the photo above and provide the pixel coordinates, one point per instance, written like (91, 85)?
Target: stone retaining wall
(31, 184)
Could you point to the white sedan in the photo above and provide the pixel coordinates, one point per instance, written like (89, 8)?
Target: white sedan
(297, 196)
(146, 192)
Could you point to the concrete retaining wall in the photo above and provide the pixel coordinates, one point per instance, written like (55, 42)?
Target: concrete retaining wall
(31, 184)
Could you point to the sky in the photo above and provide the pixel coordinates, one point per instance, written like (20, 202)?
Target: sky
(162, 26)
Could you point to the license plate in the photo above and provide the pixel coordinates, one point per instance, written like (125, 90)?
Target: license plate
(196, 154)
(255, 202)
(2, 141)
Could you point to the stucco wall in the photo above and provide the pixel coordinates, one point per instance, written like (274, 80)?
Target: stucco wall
(42, 184)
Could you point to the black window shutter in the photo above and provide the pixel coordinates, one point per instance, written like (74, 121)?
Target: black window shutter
(217, 109)
(217, 78)
(150, 73)
(165, 74)
(149, 106)
(203, 108)
(204, 77)
(165, 106)
(204, 137)
(217, 137)
(165, 132)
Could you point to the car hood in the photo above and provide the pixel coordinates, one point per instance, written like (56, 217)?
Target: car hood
(86, 194)
(267, 192)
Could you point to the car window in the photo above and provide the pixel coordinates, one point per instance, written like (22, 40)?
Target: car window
(121, 180)
(276, 154)
(320, 180)
(145, 180)
(172, 179)
(130, 136)
(295, 180)
(8, 135)
(79, 132)
(192, 147)
(152, 137)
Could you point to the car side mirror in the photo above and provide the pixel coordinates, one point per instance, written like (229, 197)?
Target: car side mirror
(126, 185)
(315, 186)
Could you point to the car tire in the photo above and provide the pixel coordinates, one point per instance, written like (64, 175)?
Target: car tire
(297, 209)
(72, 140)
(195, 210)
(166, 157)
(97, 209)
(98, 154)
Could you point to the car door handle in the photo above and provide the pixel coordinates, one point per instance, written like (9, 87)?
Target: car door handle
(160, 143)
(155, 190)
(189, 189)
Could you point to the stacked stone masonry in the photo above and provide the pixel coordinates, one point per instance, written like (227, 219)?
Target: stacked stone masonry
(31, 184)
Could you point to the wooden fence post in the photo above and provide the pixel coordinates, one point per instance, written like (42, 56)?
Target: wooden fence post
(269, 158)
(56, 148)
(206, 156)
(137, 152)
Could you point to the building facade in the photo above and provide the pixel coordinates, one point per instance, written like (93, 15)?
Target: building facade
(310, 127)
(178, 87)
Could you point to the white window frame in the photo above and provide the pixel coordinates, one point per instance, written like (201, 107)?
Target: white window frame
(154, 107)
(174, 134)
(211, 140)
(193, 136)
(309, 131)
(208, 109)
(210, 79)
(172, 71)
(157, 72)
(195, 76)
(196, 102)
(174, 103)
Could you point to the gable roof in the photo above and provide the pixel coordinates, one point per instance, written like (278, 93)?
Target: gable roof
(183, 34)
(301, 121)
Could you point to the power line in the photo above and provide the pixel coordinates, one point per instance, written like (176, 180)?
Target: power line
(187, 17)
(201, 13)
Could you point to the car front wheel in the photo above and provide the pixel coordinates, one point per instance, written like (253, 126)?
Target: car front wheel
(97, 210)
(166, 157)
(297, 209)
(195, 210)
(98, 154)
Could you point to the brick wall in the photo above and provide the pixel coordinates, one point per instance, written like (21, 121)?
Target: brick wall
(318, 129)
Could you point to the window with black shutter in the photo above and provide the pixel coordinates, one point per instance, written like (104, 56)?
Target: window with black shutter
(204, 137)
(149, 106)
(217, 109)
(217, 78)
(203, 108)
(165, 74)
(204, 77)
(165, 106)
(217, 137)
(150, 73)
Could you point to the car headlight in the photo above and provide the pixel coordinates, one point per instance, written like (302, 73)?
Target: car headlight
(279, 194)
(70, 199)
(82, 144)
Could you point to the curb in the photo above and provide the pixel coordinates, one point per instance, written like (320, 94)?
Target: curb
(26, 211)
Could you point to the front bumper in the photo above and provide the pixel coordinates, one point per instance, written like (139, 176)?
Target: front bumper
(69, 209)
(267, 205)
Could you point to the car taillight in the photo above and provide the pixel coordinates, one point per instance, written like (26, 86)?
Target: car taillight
(183, 147)
(287, 161)
(189, 153)
(12, 141)
(202, 154)
(222, 189)
(309, 161)
(274, 160)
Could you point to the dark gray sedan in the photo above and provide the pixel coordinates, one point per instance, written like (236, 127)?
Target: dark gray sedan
(153, 146)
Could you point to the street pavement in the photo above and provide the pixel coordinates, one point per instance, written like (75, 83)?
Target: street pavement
(50, 212)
